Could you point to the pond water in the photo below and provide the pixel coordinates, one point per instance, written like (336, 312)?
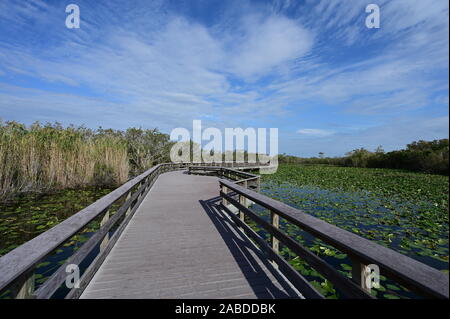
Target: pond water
(392, 223)
(29, 215)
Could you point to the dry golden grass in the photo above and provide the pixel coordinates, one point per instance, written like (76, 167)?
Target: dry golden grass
(41, 158)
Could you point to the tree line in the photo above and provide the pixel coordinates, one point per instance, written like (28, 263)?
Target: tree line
(42, 158)
(420, 156)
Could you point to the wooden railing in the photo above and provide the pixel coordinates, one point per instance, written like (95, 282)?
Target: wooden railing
(239, 165)
(238, 177)
(239, 191)
(416, 276)
(18, 266)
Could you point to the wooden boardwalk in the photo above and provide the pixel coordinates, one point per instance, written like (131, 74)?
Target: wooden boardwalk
(180, 245)
(176, 237)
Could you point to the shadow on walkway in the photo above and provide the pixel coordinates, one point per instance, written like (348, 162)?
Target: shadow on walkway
(247, 256)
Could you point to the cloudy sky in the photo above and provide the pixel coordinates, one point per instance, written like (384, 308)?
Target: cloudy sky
(310, 68)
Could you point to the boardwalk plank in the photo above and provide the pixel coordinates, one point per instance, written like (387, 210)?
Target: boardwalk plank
(175, 248)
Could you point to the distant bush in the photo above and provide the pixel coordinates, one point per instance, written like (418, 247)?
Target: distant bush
(430, 157)
(146, 148)
(420, 156)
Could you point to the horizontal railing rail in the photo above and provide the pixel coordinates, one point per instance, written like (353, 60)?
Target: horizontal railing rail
(54, 282)
(17, 266)
(297, 280)
(241, 189)
(232, 164)
(245, 179)
(418, 277)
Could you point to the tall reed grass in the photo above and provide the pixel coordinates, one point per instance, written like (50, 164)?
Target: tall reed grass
(48, 157)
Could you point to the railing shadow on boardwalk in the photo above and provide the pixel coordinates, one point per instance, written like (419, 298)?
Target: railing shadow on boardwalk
(240, 248)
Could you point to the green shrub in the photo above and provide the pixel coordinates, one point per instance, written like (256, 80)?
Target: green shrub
(421, 156)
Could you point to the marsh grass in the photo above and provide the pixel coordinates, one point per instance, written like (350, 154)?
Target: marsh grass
(48, 157)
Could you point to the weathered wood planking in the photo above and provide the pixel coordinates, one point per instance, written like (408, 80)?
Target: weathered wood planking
(176, 246)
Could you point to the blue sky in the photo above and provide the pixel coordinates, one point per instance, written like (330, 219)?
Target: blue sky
(310, 68)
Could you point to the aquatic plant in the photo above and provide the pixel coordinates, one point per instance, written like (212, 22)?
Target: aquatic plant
(405, 211)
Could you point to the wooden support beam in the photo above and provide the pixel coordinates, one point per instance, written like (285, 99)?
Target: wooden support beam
(225, 191)
(412, 274)
(140, 195)
(275, 221)
(22, 259)
(343, 283)
(105, 240)
(127, 199)
(243, 202)
(24, 287)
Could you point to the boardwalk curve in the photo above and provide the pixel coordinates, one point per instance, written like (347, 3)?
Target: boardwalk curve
(178, 245)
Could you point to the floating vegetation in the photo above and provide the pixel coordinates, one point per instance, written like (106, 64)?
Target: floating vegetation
(32, 214)
(28, 215)
(404, 211)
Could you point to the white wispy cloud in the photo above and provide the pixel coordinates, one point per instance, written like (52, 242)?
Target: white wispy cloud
(254, 63)
(267, 43)
(180, 69)
(315, 132)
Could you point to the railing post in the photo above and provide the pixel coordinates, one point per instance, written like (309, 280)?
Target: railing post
(359, 273)
(140, 195)
(24, 288)
(243, 202)
(149, 184)
(258, 184)
(105, 240)
(275, 220)
(129, 208)
(225, 191)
